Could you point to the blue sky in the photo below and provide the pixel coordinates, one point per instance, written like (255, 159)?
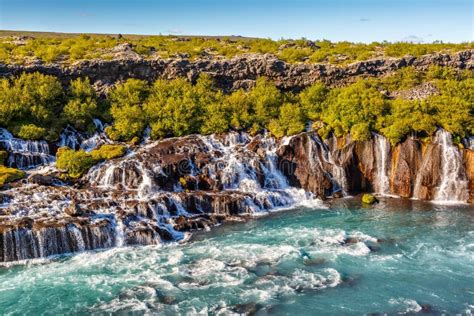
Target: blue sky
(353, 20)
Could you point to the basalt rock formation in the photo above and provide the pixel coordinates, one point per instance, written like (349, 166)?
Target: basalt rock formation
(238, 72)
(163, 189)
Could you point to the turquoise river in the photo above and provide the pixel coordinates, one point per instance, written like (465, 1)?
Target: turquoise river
(399, 256)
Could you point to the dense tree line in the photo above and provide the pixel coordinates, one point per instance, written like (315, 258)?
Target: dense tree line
(35, 106)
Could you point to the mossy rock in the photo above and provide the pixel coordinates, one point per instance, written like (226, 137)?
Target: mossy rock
(108, 151)
(8, 175)
(77, 163)
(368, 198)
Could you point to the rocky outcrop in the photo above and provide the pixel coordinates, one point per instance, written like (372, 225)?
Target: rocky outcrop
(469, 162)
(238, 72)
(406, 160)
(420, 92)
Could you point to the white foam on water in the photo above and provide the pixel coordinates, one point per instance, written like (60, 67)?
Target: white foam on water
(408, 305)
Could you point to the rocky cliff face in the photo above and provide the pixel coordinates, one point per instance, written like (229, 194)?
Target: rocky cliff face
(163, 189)
(239, 72)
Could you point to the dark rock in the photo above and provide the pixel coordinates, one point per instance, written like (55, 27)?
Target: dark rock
(42, 179)
(314, 262)
(240, 71)
(406, 160)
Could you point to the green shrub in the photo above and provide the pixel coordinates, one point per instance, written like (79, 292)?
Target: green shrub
(360, 105)
(455, 106)
(176, 107)
(290, 121)
(126, 108)
(31, 132)
(8, 175)
(30, 102)
(312, 100)
(408, 117)
(81, 107)
(74, 163)
(108, 151)
(360, 131)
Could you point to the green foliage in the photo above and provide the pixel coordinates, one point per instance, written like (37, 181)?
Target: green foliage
(76, 163)
(81, 107)
(403, 79)
(126, 108)
(361, 131)
(290, 121)
(241, 108)
(357, 108)
(31, 132)
(312, 100)
(400, 49)
(33, 106)
(455, 106)
(8, 175)
(409, 117)
(266, 100)
(108, 151)
(175, 107)
(30, 99)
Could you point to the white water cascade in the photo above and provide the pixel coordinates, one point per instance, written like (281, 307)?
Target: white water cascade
(239, 171)
(25, 154)
(454, 183)
(382, 158)
(338, 174)
(74, 139)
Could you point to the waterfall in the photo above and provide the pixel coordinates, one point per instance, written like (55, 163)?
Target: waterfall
(25, 154)
(336, 174)
(382, 158)
(454, 183)
(146, 185)
(74, 139)
(69, 137)
(22, 243)
(119, 229)
(241, 169)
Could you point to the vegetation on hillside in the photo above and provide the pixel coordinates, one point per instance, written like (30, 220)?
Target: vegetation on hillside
(70, 48)
(35, 106)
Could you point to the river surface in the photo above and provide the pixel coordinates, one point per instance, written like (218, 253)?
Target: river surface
(400, 256)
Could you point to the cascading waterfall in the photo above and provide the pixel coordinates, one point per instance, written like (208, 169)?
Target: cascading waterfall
(21, 244)
(454, 183)
(166, 188)
(240, 172)
(382, 158)
(74, 139)
(119, 229)
(25, 154)
(71, 138)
